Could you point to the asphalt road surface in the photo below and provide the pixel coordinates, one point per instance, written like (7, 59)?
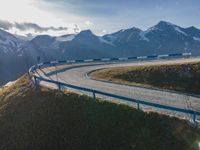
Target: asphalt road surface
(77, 74)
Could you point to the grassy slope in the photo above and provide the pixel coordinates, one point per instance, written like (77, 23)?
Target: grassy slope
(180, 77)
(48, 119)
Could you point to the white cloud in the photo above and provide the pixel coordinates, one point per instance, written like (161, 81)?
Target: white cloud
(89, 23)
(29, 11)
(26, 28)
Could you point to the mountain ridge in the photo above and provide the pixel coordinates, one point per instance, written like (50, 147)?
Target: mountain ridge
(163, 38)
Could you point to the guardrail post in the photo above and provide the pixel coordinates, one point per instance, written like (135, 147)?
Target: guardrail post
(59, 86)
(35, 80)
(138, 105)
(194, 118)
(94, 96)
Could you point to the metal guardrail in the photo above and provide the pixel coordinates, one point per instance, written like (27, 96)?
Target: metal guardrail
(118, 59)
(94, 92)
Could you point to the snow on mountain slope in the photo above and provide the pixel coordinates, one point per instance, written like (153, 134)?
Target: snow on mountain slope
(28, 37)
(111, 38)
(196, 38)
(8, 42)
(65, 38)
(17, 55)
(180, 31)
(102, 40)
(143, 37)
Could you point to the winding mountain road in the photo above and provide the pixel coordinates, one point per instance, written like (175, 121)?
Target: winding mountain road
(77, 74)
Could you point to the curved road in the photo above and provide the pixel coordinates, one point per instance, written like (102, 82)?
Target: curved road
(76, 74)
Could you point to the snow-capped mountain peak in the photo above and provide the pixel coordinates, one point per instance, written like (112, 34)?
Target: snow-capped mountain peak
(164, 23)
(9, 42)
(162, 38)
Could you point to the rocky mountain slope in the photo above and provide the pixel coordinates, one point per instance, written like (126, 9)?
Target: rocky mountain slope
(16, 55)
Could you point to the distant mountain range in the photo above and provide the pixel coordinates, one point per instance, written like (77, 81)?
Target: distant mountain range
(17, 53)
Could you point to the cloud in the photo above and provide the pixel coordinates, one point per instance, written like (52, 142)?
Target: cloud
(89, 23)
(85, 8)
(37, 28)
(26, 28)
(111, 15)
(6, 25)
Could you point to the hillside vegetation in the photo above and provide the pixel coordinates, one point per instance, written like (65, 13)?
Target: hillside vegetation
(45, 119)
(179, 77)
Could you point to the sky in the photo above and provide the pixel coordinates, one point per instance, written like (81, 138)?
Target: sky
(57, 17)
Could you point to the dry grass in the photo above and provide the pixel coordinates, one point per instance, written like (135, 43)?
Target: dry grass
(178, 77)
(41, 118)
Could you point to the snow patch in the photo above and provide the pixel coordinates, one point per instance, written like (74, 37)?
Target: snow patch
(130, 35)
(102, 40)
(65, 38)
(112, 38)
(143, 37)
(122, 30)
(196, 39)
(152, 29)
(169, 23)
(180, 31)
(9, 42)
